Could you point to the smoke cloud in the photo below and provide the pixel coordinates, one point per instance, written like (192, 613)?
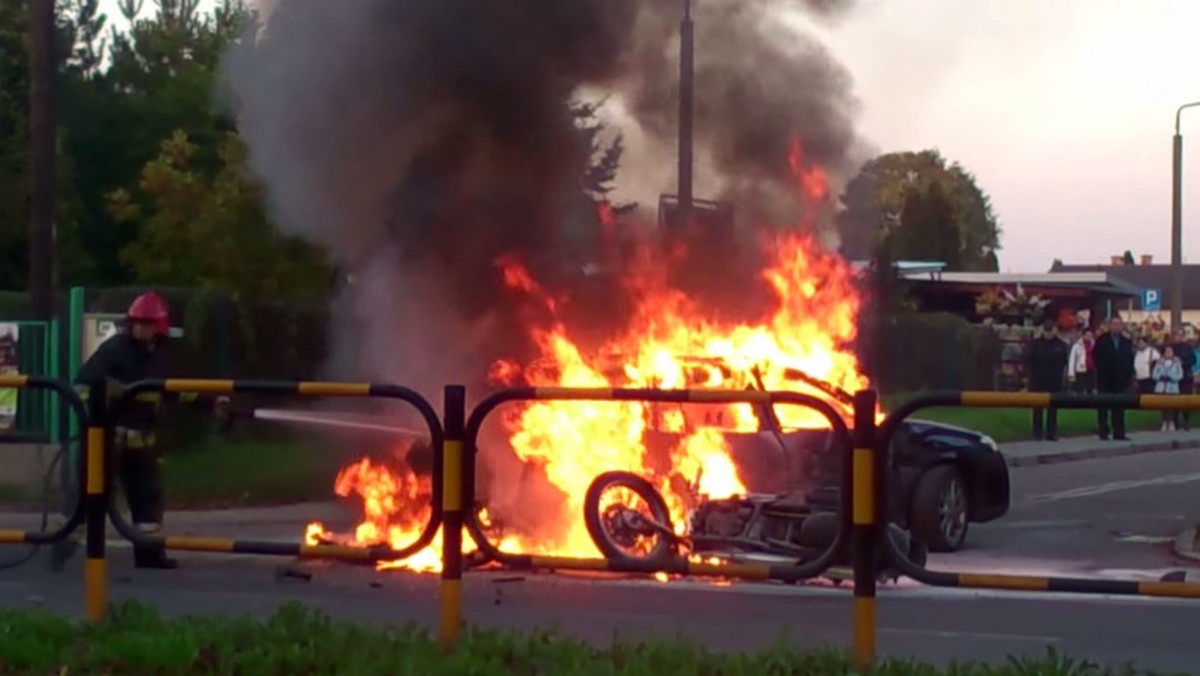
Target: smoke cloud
(420, 140)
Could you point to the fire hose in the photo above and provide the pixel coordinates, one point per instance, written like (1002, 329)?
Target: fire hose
(45, 507)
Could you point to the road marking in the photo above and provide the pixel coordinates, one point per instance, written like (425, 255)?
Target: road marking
(1045, 523)
(1113, 487)
(1146, 539)
(971, 635)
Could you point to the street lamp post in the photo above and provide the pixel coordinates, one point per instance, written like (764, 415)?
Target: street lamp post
(686, 113)
(1177, 221)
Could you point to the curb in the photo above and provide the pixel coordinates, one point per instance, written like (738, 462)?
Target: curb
(1113, 451)
(1187, 544)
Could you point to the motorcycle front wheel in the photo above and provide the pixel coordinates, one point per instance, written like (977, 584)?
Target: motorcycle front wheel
(633, 525)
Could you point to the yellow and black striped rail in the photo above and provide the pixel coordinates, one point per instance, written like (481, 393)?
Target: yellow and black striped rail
(95, 568)
(677, 566)
(78, 515)
(1156, 402)
(295, 389)
(673, 565)
(865, 518)
(450, 594)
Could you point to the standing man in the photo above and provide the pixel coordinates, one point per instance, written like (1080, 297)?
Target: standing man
(1047, 373)
(125, 358)
(1113, 354)
(1186, 355)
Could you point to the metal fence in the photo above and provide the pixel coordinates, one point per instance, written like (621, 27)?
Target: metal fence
(862, 526)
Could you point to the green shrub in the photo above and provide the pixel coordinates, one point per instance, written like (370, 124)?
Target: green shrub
(911, 352)
(137, 640)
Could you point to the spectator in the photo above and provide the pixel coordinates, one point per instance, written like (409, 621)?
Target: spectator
(1081, 367)
(1143, 365)
(1047, 370)
(1187, 359)
(1113, 355)
(1168, 373)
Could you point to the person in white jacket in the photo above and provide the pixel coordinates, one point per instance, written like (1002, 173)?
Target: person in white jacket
(1143, 365)
(1081, 370)
(1167, 374)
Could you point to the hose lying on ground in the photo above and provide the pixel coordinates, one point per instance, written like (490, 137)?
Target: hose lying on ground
(47, 477)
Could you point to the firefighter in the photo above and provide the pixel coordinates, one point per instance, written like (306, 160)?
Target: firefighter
(127, 357)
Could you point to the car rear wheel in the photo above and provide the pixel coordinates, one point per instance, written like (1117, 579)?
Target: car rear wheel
(940, 508)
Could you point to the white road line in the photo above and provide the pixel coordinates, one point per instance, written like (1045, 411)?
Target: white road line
(1113, 487)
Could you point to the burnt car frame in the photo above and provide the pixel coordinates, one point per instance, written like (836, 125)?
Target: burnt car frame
(941, 478)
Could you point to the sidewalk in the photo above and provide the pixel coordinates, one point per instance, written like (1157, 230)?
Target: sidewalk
(1026, 453)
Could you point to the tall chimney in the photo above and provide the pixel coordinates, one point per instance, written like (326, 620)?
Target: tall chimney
(1147, 259)
(1118, 260)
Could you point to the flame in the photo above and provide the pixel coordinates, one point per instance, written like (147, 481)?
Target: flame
(670, 343)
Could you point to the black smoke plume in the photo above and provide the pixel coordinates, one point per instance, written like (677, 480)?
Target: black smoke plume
(420, 140)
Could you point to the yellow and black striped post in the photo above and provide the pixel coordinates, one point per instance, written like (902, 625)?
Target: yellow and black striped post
(455, 415)
(95, 571)
(865, 512)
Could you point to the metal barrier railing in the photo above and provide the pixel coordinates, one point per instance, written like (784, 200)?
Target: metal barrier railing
(301, 389)
(88, 503)
(1032, 400)
(454, 413)
(447, 484)
(267, 548)
(674, 565)
(865, 487)
(79, 513)
(868, 497)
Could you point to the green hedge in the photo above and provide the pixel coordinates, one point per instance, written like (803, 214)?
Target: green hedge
(227, 337)
(910, 352)
(137, 640)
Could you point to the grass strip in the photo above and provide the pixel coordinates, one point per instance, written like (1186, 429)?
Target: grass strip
(297, 640)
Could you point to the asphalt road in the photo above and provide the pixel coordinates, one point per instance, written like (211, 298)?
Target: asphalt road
(1109, 518)
(1098, 517)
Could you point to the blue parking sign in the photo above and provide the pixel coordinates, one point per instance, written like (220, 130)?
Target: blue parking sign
(1151, 300)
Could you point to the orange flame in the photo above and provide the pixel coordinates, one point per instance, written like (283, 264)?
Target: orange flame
(670, 343)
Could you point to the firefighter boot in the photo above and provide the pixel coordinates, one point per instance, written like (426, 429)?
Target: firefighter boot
(154, 558)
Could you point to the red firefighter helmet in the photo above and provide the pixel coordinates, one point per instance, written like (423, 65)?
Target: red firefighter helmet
(150, 308)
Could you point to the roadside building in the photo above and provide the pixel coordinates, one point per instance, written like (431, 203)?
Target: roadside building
(1153, 282)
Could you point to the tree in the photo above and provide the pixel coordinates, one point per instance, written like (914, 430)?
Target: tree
(587, 210)
(204, 228)
(160, 76)
(14, 144)
(77, 45)
(928, 228)
(874, 202)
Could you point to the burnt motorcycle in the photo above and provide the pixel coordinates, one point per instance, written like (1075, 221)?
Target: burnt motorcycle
(628, 519)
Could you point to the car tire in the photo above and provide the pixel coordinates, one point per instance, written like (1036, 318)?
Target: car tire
(938, 514)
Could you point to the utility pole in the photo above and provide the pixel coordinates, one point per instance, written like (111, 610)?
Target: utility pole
(686, 73)
(41, 155)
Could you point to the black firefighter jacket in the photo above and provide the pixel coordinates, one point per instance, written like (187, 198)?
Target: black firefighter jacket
(121, 361)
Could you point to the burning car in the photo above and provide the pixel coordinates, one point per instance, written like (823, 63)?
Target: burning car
(736, 479)
(942, 479)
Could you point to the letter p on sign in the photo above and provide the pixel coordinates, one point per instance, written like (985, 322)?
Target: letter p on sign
(1151, 300)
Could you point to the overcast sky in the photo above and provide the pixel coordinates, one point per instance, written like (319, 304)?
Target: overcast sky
(1063, 109)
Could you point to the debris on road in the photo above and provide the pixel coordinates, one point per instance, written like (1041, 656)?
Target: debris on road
(292, 573)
